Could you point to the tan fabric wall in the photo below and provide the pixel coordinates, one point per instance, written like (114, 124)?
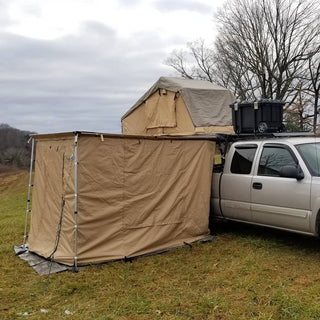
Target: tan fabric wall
(214, 129)
(54, 179)
(184, 123)
(136, 123)
(155, 132)
(141, 196)
(154, 118)
(134, 196)
(161, 110)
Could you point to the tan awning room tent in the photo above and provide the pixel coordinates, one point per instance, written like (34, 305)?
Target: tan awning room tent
(176, 106)
(100, 197)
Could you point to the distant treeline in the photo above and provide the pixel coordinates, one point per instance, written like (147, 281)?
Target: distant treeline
(14, 147)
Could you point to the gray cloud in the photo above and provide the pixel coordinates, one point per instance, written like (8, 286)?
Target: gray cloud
(80, 82)
(178, 5)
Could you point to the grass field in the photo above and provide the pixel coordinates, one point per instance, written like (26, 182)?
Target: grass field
(245, 273)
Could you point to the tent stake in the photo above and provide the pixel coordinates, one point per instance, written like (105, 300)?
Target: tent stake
(75, 202)
(29, 194)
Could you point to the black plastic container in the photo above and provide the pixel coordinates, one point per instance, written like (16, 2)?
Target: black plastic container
(258, 117)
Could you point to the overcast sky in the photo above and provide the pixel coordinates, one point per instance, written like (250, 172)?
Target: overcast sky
(81, 64)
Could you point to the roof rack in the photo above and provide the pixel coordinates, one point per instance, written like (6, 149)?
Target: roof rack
(250, 136)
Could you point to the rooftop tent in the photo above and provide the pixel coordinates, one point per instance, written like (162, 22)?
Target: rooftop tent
(100, 197)
(176, 106)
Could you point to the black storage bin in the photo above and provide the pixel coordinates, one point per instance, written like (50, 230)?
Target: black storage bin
(258, 117)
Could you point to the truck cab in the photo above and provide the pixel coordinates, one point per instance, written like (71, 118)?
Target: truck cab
(271, 182)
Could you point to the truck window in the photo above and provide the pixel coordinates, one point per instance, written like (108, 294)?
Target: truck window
(242, 159)
(310, 152)
(273, 159)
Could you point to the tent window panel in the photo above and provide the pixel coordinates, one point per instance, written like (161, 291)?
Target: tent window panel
(161, 110)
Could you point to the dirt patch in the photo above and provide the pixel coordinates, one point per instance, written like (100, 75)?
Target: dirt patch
(13, 181)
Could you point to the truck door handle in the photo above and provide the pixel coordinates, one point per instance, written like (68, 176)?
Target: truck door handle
(257, 185)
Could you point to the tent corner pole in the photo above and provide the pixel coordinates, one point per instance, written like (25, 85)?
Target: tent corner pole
(29, 194)
(75, 265)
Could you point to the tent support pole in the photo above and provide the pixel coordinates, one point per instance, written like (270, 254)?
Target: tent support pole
(76, 202)
(29, 194)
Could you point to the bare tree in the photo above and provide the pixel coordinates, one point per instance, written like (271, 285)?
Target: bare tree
(271, 39)
(197, 62)
(201, 62)
(298, 114)
(314, 87)
(179, 61)
(261, 50)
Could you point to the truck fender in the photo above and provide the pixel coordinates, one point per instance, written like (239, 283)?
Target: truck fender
(315, 216)
(317, 223)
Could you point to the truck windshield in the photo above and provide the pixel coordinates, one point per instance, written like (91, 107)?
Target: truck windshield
(310, 152)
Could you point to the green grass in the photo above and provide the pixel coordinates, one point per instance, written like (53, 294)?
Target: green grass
(245, 273)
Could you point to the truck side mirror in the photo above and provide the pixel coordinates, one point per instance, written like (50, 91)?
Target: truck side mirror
(291, 172)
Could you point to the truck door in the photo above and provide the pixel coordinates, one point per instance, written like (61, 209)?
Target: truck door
(279, 201)
(236, 183)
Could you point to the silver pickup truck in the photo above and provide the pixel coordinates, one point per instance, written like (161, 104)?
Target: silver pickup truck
(271, 182)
